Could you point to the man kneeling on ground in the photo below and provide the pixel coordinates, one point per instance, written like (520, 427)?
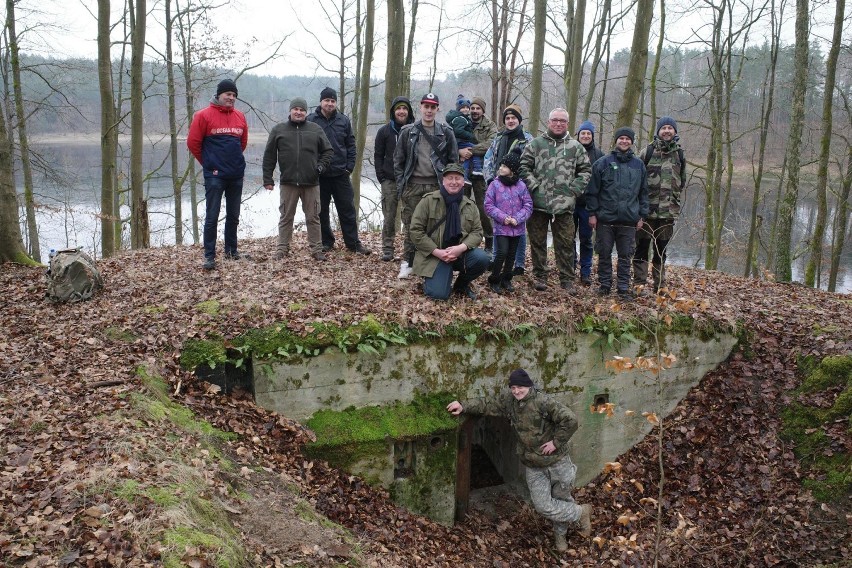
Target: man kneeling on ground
(446, 231)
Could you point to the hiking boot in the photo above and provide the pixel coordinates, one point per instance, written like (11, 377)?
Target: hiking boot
(584, 523)
(404, 270)
(626, 295)
(209, 264)
(560, 542)
(518, 271)
(237, 256)
(507, 286)
(567, 286)
(540, 285)
(327, 248)
(361, 249)
(586, 280)
(282, 254)
(387, 256)
(320, 256)
(495, 287)
(603, 291)
(467, 291)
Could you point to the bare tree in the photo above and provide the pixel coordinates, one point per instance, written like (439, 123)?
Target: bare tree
(574, 60)
(818, 236)
(638, 63)
(23, 139)
(783, 239)
(139, 228)
(109, 133)
(540, 27)
(11, 244)
(394, 72)
(360, 118)
(840, 215)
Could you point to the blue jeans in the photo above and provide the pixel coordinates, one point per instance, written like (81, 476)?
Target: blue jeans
(521, 254)
(581, 222)
(470, 266)
(214, 189)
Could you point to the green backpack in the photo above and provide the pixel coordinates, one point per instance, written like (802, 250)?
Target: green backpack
(72, 276)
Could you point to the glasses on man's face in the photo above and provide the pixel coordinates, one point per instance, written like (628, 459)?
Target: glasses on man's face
(559, 120)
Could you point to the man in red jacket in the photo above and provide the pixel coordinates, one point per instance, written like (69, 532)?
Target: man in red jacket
(217, 138)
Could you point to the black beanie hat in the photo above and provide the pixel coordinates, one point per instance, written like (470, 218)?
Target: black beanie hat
(520, 378)
(512, 161)
(226, 85)
(515, 110)
(328, 93)
(625, 131)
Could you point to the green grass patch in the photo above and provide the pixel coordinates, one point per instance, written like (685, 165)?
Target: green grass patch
(210, 352)
(424, 415)
(209, 307)
(118, 334)
(829, 469)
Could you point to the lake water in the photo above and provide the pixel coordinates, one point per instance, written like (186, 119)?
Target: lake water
(69, 201)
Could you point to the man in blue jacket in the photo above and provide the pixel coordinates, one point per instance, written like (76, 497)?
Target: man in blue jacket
(334, 181)
(617, 202)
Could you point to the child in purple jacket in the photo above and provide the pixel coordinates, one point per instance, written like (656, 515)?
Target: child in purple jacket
(508, 203)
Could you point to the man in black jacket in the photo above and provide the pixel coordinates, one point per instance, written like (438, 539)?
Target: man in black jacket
(401, 114)
(302, 152)
(617, 201)
(334, 181)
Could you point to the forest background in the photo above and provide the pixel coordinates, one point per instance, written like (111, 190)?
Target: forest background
(760, 91)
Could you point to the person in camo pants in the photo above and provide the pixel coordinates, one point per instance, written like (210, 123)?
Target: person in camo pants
(666, 167)
(543, 427)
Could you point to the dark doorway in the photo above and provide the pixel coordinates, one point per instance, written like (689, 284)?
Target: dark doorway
(482, 470)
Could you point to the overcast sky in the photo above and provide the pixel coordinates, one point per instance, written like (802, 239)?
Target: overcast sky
(69, 28)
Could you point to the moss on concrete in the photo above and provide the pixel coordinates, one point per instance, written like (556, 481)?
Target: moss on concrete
(210, 352)
(829, 467)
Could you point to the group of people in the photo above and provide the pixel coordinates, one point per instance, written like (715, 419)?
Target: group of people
(471, 196)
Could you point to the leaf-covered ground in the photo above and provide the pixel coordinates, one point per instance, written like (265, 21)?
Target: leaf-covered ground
(102, 465)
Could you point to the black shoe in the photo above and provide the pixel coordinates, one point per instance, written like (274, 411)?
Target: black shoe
(209, 264)
(507, 286)
(518, 271)
(466, 291)
(567, 286)
(586, 280)
(387, 256)
(361, 249)
(626, 295)
(495, 287)
(603, 291)
(540, 285)
(237, 256)
(326, 248)
(320, 256)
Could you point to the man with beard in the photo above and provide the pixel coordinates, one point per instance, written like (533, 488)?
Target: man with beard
(484, 130)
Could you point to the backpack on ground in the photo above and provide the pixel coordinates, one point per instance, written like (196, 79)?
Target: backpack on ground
(72, 276)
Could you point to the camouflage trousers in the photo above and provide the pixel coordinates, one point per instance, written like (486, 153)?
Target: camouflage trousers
(544, 483)
(655, 234)
(411, 196)
(562, 227)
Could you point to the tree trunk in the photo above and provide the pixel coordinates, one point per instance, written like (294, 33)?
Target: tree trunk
(768, 103)
(11, 244)
(540, 26)
(363, 102)
(815, 256)
(139, 235)
(840, 222)
(177, 180)
(23, 139)
(576, 62)
(638, 63)
(394, 72)
(108, 138)
(409, 50)
(784, 237)
(596, 61)
(656, 70)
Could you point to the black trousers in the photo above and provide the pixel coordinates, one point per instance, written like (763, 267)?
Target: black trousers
(340, 189)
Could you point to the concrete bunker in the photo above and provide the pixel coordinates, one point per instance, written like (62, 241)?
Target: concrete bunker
(430, 462)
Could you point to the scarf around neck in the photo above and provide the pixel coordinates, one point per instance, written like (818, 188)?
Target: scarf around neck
(452, 226)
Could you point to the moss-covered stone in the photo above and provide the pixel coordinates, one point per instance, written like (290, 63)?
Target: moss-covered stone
(210, 352)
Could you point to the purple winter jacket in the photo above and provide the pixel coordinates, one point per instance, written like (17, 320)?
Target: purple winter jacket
(514, 201)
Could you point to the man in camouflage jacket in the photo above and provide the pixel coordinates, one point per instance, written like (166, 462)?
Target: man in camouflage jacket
(543, 427)
(666, 167)
(556, 170)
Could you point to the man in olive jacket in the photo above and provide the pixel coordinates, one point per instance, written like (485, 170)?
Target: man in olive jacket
(543, 427)
(445, 231)
(556, 170)
(302, 152)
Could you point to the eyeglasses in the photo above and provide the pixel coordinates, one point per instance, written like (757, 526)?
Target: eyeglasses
(559, 120)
